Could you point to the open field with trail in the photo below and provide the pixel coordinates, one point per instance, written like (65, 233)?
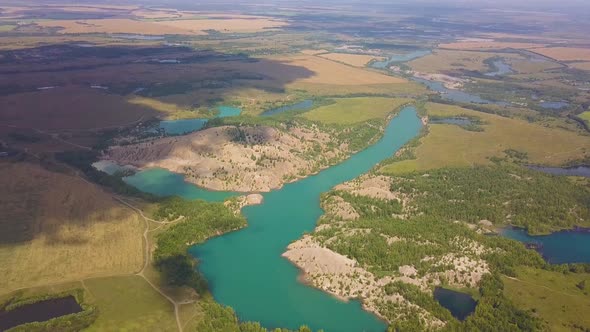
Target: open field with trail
(552, 295)
(58, 227)
(129, 303)
(451, 145)
(564, 53)
(357, 60)
(162, 27)
(484, 44)
(441, 61)
(354, 110)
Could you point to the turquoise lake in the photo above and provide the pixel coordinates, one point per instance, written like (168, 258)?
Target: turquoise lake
(185, 126)
(300, 106)
(162, 182)
(557, 248)
(399, 58)
(245, 269)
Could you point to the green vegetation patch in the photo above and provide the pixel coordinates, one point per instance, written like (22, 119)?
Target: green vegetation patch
(503, 194)
(198, 221)
(355, 110)
(7, 27)
(129, 303)
(562, 299)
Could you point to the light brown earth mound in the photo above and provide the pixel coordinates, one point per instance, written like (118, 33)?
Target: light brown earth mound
(244, 159)
(344, 278)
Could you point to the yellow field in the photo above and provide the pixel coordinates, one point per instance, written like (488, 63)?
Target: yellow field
(354, 110)
(313, 69)
(580, 65)
(450, 145)
(564, 53)
(448, 60)
(128, 303)
(314, 52)
(357, 60)
(79, 231)
(487, 45)
(180, 27)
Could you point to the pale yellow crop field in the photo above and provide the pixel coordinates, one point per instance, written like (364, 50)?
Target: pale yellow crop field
(564, 53)
(79, 230)
(357, 60)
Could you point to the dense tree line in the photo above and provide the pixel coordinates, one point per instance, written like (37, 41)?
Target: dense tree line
(503, 194)
(199, 221)
(218, 318)
(83, 161)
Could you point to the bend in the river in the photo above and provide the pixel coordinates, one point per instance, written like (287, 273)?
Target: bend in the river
(245, 268)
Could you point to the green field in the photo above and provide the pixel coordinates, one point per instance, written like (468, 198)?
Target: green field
(452, 146)
(7, 27)
(354, 110)
(585, 116)
(128, 303)
(553, 296)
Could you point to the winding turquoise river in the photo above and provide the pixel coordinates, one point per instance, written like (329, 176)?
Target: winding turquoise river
(245, 269)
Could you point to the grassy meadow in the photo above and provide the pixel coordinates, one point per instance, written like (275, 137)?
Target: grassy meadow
(129, 303)
(355, 110)
(551, 295)
(76, 229)
(452, 146)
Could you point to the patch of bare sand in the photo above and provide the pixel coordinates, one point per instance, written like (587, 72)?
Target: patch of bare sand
(244, 159)
(343, 278)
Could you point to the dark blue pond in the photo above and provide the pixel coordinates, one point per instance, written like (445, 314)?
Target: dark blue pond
(399, 58)
(461, 305)
(567, 171)
(459, 121)
(571, 246)
(301, 106)
(456, 95)
(554, 105)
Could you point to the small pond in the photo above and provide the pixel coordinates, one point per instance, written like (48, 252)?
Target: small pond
(185, 126)
(459, 121)
(398, 58)
(568, 171)
(461, 305)
(501, 68)
(300, 106)
(554, 105)
(110, 167)
(137, 36)
(39, 312)
(162, 182)
(562, 247)
(456, 95)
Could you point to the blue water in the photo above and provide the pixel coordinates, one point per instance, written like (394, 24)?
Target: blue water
(185, 126)
(162, 182)
(245, 269)
(555, 105)
(455, 121)
(568, 171)
(399, 58)
(456, 95)
(502, 68)
(301, 106)
(559, 247)
(110, 167)
(137, 36)
(460, 305)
